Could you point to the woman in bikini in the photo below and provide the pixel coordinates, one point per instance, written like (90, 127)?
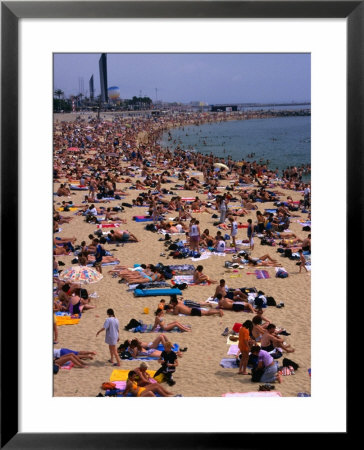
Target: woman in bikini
(147, 391)
(160, 321)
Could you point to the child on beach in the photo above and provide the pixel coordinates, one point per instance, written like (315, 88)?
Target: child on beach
(169, 362)
(302, 261)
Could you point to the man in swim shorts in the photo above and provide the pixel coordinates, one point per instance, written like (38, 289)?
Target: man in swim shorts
(179, 308)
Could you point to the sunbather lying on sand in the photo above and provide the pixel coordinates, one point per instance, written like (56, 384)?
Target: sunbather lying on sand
(70, 357)
(105, 259)
(238, 306)
(122, 236)
(235, 295)
(178, 307)
(264, 260)
(82, 354)
(137, 348)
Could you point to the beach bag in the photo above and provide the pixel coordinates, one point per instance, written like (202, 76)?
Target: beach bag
(257, 375)
(306, 228)
(288, 362)
(281, 274)
(280, 250)
(287, 252)
(271, 301)
(181, 286)
(125, 355)
(237, 326)
(253, 360)
(128, 205)
(108, 385)
(132, 324)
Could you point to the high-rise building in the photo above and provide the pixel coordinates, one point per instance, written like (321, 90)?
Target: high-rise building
(103, 78)
(92, 88)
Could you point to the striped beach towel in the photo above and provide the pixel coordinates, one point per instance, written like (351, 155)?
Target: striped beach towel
(262, 274)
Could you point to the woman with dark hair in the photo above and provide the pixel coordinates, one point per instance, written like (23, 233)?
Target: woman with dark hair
(244, 345)
(111, 325)
(161, 322)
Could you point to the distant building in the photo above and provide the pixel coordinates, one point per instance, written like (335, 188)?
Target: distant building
(226, 108)
(92, 88)
(103, 78)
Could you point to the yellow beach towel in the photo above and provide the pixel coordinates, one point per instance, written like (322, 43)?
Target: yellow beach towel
(66, 320)
(122, 375)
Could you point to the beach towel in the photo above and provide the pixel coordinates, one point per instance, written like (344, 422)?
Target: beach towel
(188, 279)
(253, 394)
(273, 211)
(145, 218)
(229, 363)
(281, 272)
(155, 292)
(73, 187)
(262, 274)
(119, 375)
(109, 225)
(182, 269)
(112, 263)
(66, 320)
(72, 208)
(145, 328)
(203, 255)
(152, 284)
(171, 234)
(233, 349)
(67, 366)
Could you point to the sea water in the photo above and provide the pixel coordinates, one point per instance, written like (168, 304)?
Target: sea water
(283, 141)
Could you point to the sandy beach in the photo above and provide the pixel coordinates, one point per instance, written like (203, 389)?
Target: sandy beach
(199, 373)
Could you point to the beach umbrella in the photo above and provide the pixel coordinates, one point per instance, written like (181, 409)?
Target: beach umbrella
(221, 166)
(73, 149)
(81, 275)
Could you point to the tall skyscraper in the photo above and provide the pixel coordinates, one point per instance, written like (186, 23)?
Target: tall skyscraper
(103, 77)
(92, 88)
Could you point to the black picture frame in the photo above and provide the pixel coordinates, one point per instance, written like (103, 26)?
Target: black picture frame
(11, 12)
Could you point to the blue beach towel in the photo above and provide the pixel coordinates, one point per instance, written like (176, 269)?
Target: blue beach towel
(154, 292)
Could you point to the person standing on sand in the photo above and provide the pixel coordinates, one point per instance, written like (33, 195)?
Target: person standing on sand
(244, 345)
(223, 209)
(234, 230)
(250, 232)
(111, 325)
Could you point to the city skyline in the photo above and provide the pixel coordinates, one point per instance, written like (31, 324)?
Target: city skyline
(204, 77)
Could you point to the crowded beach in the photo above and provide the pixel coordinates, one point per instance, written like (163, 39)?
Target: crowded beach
(176, 273)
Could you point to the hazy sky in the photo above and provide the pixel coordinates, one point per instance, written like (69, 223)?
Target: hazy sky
(211, 78)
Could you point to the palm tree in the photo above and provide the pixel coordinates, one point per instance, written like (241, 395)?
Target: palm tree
(59, 93)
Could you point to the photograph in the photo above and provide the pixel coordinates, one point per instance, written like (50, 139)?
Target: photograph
(181, 224)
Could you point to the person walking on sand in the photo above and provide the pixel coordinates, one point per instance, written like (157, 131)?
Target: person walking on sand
(111, 326)
(302, 261)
